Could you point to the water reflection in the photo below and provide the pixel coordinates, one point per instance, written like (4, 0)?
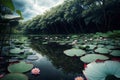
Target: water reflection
(48, 70)
(54, 64)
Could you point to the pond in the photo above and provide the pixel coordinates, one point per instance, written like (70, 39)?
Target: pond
(49, 54)
(53, 64)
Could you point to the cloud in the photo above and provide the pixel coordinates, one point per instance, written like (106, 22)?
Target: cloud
(31, 8)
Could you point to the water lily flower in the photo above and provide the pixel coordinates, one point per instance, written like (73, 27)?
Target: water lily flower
(56, 37)
(46, 37)
(91, 39)
(74, 42)
(85, 40)
(35, 71)
(1, 75)
(51, 38)
(68, 37)
(79, 78)
(101, 37)
(104, 39)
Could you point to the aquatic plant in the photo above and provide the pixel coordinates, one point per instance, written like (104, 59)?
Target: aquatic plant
(15, 76)
(35, 71)
(108, 70)
(79, 78)
(102, 50)
(93, 57)
(115, 53)
(18, 67)
(74, 52)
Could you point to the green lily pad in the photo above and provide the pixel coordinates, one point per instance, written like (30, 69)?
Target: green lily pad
(91, 47)
(16, 51)
(15, 76)
(28, 53)
(44, 42)
(32, 57)
(20, 67)
(100, 45)
(110, 47)
(74, 52)
(93, 57)
(21, 56)
(115, 53)
(102, 50)
(78, 46)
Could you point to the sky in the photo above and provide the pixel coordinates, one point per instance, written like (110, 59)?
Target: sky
(32, 8)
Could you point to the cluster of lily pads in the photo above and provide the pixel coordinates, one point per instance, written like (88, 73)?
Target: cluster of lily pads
(94, 46)
(104, 49)
(90, 48)
(19, 53)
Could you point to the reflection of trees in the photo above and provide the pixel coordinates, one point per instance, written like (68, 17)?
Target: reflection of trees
(55, 53)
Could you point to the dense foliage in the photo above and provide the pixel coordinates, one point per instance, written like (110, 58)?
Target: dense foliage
(77, 16)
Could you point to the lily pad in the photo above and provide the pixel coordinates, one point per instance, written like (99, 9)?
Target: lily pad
(102, 50)
(100, 45)
(32, 57)
(115, 53)
(93, 57)
(21, 56)
(110, 47)
(20, 67)
(16, 51)
(15, 76)
(91, 47)
(74, 52)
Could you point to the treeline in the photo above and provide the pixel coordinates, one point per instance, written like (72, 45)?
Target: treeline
(77, 16)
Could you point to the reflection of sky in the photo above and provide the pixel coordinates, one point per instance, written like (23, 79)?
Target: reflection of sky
(31, 8)
(48, 71)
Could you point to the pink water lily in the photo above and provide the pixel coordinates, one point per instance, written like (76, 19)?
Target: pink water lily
(79, 78)
(1, 75)
(35, 71)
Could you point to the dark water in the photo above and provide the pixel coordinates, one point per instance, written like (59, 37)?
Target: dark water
(54, 67)
(52, 62)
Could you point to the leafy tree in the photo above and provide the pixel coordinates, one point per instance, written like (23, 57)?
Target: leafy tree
(77, 16)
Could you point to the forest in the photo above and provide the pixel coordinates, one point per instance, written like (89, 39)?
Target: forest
(76, 16)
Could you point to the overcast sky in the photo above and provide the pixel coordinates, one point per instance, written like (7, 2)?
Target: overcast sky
(31, 8)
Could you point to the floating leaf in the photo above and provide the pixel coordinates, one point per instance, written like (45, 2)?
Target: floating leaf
(16, 51)
(93, 57)
(115, 53)
(32, 57)
(101, 71)
(102, 50)
(15, 76)
(91, 47)
(20, 67)
(74, 52)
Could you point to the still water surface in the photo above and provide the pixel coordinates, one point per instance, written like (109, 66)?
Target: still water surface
(48, 71)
